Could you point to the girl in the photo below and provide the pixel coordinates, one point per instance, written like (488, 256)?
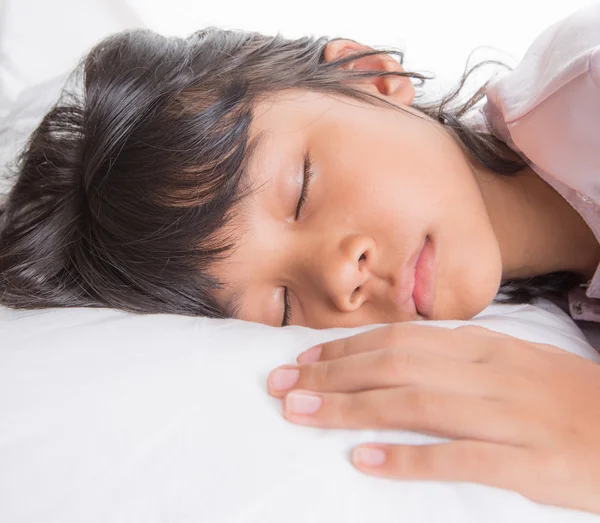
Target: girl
(302, 182)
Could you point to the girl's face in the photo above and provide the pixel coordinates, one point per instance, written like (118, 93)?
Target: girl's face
(387, 188)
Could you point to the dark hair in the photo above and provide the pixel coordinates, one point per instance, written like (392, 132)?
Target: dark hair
(122, 189)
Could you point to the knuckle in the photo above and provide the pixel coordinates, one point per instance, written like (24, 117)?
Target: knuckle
(378, 412)
(360, 410)
(421, 402)
(512, 348)
(323, 375)
(513, 384)
(327, 350)
(489, 347)
(382, 419)
(418, 462)
(398, 360)
(469, 334)
(394, 333)
(425, 462)
(333, 349)
(344, 413)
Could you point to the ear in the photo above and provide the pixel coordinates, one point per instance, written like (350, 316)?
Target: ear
(398, 88)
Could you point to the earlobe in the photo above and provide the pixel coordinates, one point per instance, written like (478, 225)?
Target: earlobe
(398, 88)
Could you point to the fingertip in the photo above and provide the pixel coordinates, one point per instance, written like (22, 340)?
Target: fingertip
(312, 355)
(368, 456)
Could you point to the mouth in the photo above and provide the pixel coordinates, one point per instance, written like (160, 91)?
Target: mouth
(422, 293)
(414, 294)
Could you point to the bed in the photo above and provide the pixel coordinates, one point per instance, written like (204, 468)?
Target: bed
(107, 416)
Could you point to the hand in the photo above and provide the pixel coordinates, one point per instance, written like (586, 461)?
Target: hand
(524, 416)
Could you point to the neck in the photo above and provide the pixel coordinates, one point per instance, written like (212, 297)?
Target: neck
(538, 231)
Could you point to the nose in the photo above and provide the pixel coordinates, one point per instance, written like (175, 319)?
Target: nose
(346, 270)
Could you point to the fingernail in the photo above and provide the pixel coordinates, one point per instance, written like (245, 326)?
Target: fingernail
(283, 379)
(368, 456)
(301, 403)
(311, 355)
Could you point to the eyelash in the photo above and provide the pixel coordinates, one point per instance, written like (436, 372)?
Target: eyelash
(308, 175)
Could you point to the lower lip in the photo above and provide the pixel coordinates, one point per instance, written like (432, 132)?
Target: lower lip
(424, 272)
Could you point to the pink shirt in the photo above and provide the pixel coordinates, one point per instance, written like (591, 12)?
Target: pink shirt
(548, 110)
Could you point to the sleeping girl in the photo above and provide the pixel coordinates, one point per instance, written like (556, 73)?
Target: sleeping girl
(304, 182)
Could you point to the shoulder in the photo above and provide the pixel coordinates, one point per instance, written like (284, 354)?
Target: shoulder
(548, 107)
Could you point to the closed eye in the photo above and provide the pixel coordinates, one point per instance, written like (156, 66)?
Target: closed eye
(287, 308)
(308, 176)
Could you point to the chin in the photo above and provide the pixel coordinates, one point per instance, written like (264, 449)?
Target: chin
(468, 300)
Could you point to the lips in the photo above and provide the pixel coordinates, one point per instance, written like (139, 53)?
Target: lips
(413, 291)
(405, 284)
(423, 280)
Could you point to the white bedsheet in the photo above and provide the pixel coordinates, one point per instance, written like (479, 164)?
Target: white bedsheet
(112, 417)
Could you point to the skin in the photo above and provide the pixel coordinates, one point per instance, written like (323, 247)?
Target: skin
(519, 413)
(384, 180)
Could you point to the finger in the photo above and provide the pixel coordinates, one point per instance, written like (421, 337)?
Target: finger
(425, 410)
(452, 343)
(385, 368)
(493, 464)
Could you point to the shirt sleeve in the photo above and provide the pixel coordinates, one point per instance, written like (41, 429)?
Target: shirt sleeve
(548, 107)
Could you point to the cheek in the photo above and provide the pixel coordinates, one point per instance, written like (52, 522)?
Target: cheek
(469, 264)
(470, 267)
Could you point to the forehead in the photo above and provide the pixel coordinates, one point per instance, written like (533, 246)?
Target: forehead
(284, 110)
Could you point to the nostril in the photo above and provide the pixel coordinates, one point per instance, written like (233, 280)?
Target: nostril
(363, 256)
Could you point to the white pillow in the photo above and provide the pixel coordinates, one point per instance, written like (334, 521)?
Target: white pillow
(31, 80)
(110, 416)
(19, 118)
(39, 40)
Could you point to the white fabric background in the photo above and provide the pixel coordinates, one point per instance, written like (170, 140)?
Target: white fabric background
(106, 416)
(38, 39)
(113, 417)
